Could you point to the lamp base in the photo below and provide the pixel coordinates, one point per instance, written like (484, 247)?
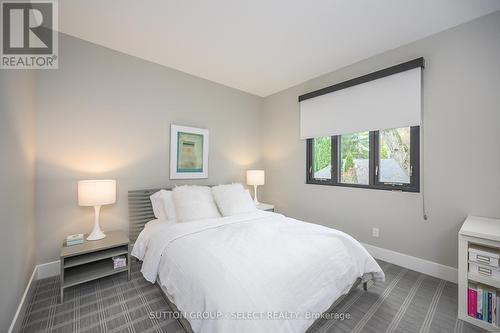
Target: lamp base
(96, 233)
(255, 200)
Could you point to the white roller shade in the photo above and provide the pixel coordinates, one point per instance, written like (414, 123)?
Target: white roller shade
(389, 102)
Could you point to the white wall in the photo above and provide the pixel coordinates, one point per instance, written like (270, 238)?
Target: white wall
(105, 114)
(461, 153)
(17, 188)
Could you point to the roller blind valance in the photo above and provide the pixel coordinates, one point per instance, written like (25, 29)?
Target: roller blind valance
(389, 98)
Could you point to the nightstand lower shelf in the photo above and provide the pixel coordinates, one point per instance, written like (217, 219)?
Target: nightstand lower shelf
(88, 272)
(95, 256)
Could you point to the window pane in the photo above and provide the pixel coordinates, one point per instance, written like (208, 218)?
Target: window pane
(322, 158)
(354, 156)
(394, 166)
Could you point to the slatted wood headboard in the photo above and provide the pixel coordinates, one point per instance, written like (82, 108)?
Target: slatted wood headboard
(140, 211)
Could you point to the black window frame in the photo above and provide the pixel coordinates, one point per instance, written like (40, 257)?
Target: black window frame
(374, 135)
(374, 161)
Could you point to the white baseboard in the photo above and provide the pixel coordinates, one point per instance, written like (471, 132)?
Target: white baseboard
(15, 326)
(48, 269)
(417, 264)
(40, 271)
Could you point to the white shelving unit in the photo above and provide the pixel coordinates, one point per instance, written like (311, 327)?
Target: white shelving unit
(480, 231)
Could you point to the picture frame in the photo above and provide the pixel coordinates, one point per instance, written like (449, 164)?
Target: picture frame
(189, 148)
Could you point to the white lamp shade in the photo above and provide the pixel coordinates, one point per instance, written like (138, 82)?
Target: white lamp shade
(96, 192)
(255, 177)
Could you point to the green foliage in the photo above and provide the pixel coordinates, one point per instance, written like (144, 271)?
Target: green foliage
(394, 144)
(358, 144)
(384, 152)
(322, 153)
(397, 142)
(349, 162)
(353, 146)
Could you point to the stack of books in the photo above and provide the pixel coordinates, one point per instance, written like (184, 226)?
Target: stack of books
(74, 239)
(483, 303)
(119, 262)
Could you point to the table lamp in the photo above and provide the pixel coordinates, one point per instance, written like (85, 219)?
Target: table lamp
(96, 193)
(255, 178)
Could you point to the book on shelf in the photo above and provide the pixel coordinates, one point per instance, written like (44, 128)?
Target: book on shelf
(483, 303)
(494, 307)
(479, 310)
(472, 300)
(489, 307)
(497, 322)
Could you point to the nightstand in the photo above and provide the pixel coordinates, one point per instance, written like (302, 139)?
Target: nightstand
(92, 260)
(266, 207)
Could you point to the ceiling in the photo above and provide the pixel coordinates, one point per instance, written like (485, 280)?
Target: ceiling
(261, 46)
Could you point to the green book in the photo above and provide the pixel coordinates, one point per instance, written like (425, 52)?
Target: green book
(485, 305)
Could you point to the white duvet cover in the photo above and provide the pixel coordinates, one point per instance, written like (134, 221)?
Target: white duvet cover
(257, 272)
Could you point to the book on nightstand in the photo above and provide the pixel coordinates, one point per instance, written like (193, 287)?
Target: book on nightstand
(74, 239)
(119, 262)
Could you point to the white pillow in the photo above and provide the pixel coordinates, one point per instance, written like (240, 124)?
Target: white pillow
(194, 203)
(158, 207)
(233, 199)
(163, 205)
(168, 201)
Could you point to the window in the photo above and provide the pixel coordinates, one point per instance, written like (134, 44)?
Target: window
(389, 101)
(354, 157)
(322, 158)
(394, 156)
(387, 159)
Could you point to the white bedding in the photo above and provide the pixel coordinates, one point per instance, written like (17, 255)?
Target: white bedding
(277, 271)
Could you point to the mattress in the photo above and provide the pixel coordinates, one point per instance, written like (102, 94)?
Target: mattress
(255, 272)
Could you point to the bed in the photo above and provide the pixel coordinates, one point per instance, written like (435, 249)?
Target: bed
(253, 272)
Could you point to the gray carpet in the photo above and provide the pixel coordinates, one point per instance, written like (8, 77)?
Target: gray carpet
(407, 302)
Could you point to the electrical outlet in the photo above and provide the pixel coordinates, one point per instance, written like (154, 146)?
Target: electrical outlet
(375, 232)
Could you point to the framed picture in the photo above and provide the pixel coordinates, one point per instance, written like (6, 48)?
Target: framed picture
(188, 152)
